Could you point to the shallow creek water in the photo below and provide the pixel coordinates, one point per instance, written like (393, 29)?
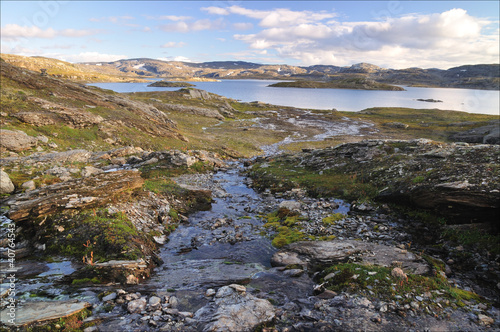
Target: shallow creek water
(212, 248)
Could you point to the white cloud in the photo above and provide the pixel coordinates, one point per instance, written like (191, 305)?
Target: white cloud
(276, 17)
(174, 18)
(242, 26)
(199, 25)
(175, 58)
(12, 32)
(80, 57)
(112, 19)
(449, 38)
(173, 45)
(216, 10)
(90, 57)
(59, 46)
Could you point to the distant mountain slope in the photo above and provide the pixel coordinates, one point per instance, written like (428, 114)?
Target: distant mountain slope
(485, 76)
(63, 69)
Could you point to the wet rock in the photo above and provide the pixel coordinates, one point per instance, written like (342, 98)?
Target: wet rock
(39, 312)
(136, 306)
(234, 311)
(16, 140)
(154, 302)
(6, 185)
(294, 272)
(109, 297)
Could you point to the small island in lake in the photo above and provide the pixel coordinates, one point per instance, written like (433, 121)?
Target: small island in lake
(352, 83)
(430, 100)
(167, 84)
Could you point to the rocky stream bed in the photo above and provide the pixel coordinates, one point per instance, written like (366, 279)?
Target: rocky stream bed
(358, 267)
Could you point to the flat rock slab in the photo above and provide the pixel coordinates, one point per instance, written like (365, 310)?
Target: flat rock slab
(310, 254)
(39, 312)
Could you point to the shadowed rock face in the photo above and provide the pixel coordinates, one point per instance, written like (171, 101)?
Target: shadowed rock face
(489, 134)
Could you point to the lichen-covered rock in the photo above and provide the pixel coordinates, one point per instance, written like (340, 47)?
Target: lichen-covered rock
(6, 185)
(16, 140)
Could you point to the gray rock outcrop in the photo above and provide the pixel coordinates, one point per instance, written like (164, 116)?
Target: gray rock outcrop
(310, 254)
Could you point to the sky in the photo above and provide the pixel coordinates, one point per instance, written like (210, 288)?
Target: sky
(390, 34)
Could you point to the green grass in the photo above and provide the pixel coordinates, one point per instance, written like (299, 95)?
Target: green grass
(377, 282)
(433, 124)
(281, 176)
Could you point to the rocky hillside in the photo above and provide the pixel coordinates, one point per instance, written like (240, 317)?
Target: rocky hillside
(456, 182)
(62, 69)
(58, 114)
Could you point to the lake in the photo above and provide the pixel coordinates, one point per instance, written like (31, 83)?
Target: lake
(466, 100)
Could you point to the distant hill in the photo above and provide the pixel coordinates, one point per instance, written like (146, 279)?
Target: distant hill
(62, 69)
(483, 76)
(470, 76)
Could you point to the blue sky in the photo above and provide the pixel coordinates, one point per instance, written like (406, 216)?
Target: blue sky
(391, 34)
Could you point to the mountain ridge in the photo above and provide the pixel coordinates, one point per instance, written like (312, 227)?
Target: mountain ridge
(480, 76)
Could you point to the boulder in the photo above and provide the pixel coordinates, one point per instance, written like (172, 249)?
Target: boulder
(29, 185)
(6, 185)
(16, 140)
(310, 254)
(136, 306)
(233, 310)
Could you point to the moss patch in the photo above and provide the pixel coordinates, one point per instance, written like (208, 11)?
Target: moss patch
(96, 236)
